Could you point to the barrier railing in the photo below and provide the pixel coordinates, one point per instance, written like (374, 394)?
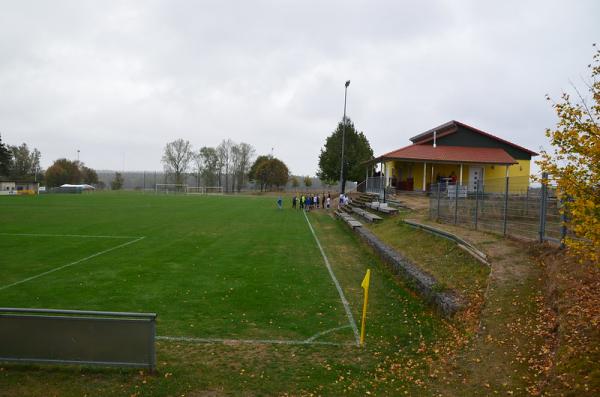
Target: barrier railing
(78, 337)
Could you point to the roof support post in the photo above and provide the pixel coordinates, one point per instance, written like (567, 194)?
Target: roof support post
(424, 175)
(460, 177)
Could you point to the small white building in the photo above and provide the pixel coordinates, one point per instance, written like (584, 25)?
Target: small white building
(7, 188)
(18, 188)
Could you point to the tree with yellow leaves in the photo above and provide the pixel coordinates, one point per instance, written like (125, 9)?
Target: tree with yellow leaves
(575, 165)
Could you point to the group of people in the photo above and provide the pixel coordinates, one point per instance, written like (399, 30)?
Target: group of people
(309, 201)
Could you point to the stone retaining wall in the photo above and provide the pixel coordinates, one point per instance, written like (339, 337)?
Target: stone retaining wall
(448, 302)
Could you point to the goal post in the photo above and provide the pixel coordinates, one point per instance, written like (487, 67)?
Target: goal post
(170, 188)
(195, 190)
(213, 190)
(204, 190)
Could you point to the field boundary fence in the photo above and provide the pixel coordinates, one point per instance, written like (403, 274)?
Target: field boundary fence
(511, 206)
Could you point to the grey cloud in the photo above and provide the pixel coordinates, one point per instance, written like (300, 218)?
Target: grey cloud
(120, 79)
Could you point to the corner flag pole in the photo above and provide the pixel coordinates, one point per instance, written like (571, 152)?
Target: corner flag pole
(365, 286)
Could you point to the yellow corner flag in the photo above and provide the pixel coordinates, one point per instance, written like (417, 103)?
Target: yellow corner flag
(365, 285)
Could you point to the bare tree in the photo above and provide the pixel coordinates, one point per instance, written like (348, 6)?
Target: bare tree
(245, 153)
(177, 158)
(235, 165)
(198, 167)
(25, 162)
(224, 155)
(209, 163)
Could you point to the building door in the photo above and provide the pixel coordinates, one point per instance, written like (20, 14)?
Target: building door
(475, 177)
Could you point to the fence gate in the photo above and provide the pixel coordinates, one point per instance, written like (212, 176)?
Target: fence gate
(78, 337)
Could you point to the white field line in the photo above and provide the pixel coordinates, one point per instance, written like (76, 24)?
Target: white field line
(249, 341)
(71, 264)
(64, 235)
(319, 334)
(337, 284)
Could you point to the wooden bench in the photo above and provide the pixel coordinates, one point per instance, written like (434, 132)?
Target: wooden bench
(367, 215)
(353, 223)
(382, 207)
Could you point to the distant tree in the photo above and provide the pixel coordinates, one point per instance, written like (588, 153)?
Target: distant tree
(295, 182)
(177, 158)
(257, 163)
(63, 171)
(357, 150)
(243, 154)
(575, 165)
(5, 159)
(207, 160)
(307, 181)
(25, 163)
(225, 156)
(271, 173)
(88, 175)
(117, 183)
(198, 168)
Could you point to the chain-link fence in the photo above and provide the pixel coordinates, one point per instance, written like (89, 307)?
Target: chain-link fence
(510, 206)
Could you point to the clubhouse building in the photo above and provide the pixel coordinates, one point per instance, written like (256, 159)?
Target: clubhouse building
(454, 153)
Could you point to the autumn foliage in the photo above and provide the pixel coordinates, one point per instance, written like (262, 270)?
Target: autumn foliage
(574, 163)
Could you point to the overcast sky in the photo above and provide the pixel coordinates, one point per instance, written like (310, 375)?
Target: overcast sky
(118, 80)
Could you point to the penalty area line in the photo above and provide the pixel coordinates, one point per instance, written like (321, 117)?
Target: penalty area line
(337, 284)
(71, 264)
(64, 235)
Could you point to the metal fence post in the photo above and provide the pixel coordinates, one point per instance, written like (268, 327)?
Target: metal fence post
(455, 203)
(438, 203)
(527, 200)
(476, 203)
(563, 221)
(505, 220)
(543, 197)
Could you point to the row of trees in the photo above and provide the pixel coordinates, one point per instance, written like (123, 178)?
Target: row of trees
(226, 165)
(69, 171)
(22, 163)
(19, 162)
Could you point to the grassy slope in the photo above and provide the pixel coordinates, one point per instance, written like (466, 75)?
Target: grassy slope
(443, 259)
(402, 331)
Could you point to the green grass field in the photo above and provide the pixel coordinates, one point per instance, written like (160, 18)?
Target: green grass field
(222, 267)
(211, 267)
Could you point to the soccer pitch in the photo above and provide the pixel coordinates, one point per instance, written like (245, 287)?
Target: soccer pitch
(212, 268)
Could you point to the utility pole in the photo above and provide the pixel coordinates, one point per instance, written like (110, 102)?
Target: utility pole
(342, 180)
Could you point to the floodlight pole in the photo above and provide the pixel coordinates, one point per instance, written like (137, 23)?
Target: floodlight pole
(342, 184)
(78, 155)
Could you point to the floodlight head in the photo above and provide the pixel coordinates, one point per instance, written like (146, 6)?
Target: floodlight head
(347, 83)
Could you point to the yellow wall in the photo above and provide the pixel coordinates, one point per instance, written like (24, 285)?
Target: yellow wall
(493, 175)
(494, 182)
(27, 192)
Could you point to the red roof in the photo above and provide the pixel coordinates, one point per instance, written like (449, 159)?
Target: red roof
(451, 154)
(451, 127)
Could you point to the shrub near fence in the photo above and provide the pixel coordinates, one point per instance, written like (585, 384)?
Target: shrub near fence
(509, 206)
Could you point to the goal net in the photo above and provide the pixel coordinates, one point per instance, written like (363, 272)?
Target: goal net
(213, 190)
(194, 190)
(169, 188)
(204, 190)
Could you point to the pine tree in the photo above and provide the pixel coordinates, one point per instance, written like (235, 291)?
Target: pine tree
(5, 159)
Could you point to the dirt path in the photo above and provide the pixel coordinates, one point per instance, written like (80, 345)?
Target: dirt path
(509, 349)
